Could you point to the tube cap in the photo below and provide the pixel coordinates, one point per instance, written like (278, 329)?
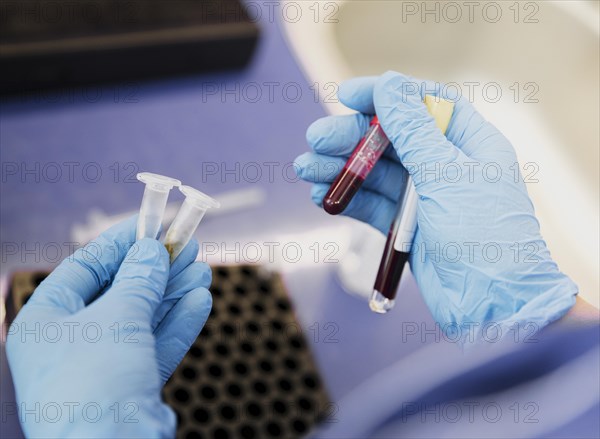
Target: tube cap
(158, 182)
(198, 198)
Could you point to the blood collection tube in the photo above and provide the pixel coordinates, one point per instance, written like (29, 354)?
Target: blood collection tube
(396, 251)
(399, 242)
(358, 166)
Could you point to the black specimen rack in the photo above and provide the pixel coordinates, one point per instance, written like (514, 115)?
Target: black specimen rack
(250, 373)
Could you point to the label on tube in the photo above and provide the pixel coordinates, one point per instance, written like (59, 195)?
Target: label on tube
(368, 151)
(408, 219)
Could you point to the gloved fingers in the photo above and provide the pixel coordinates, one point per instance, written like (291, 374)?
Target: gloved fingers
(339, 135)
(357, 93)
(187, 256)
(477, 138)
(196, 275)
(386, 178)
(179, 329)
(317, 167)
(139, 285)
(412, 130)
(366, 206)
(468, 130)
(81, 276)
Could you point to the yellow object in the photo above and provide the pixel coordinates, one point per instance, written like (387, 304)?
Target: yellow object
(441, 110)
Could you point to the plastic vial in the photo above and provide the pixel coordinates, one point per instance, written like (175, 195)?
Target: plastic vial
(359, 165)
(154, 202)
(186, 221)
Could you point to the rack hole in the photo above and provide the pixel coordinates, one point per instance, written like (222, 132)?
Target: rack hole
(208, 392)
(291, 364)
(221, 349)
(283, 305)
(247, 432)
(247, 271)
(305, 403)
(228, 329)
(240, 368)
(271, 345)
(274, 429)
(254, 409)
(299, 425)
(220, 433)
(252, 327)
(247, 347)
(181, 395)
(266, 366)
(227, 412)
(310, 381)
(188, 373)
(234, 390)
(279, 407)
(201, 415)
(260, 387)
(215, 370)
(285, 384)
(296, 342)
(234, 309)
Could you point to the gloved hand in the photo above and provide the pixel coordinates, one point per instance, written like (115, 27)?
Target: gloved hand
(478, 256)
(88, 366)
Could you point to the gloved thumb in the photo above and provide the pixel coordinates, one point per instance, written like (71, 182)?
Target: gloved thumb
(418, 141)
(139, 285)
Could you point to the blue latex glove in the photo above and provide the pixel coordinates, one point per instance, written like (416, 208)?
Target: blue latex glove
(88, 366)
(478, 256)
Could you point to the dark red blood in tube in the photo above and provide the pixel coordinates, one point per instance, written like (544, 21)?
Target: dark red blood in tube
(359, 165)
(390, 272)
(345, 186)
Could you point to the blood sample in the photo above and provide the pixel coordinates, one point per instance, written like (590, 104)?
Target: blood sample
(358, 166)
(396, 252)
